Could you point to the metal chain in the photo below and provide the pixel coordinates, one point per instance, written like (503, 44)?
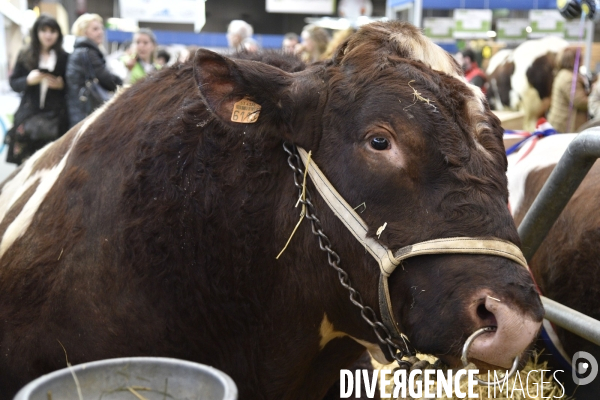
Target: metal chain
(333, 258)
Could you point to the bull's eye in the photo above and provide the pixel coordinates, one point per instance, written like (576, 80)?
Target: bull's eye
(380, 143)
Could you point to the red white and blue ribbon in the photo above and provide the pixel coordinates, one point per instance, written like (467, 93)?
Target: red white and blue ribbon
(529, 139)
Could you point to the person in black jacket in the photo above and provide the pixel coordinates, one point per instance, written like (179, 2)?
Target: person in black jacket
(39, 74)
(90, 35)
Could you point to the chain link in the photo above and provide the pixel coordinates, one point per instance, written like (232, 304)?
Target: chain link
(366, 312)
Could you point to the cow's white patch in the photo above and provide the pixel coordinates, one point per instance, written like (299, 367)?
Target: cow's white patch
(15, 188)
(422, 49)
(478, 95)
(523, 56)
(20, 224)
(478, 120)
(498, 59)
(327, 333)
(546, 153)
(25, 179)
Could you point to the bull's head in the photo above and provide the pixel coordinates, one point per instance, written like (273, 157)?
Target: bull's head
(393, 125)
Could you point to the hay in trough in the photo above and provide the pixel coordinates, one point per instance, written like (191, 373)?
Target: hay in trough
(526, 384)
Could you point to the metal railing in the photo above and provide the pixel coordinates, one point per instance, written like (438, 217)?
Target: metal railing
(564, 180)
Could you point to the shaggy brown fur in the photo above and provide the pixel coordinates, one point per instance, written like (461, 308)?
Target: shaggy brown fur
(160, 235)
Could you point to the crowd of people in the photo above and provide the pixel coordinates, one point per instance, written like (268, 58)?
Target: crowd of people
(313, 44)
(569, 108)
(57, 88)
(60, 89)
(51, 82)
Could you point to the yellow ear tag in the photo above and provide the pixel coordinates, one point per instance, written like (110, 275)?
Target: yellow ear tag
(245, 112)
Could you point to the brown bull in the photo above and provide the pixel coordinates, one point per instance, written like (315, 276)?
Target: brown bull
(152, 228)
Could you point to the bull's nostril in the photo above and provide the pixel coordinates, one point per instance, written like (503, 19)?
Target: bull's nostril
(486, 316)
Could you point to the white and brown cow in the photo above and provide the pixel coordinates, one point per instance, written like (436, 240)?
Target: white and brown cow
(521, 79)
(152, 228)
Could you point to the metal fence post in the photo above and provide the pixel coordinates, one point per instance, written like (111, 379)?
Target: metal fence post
(564, 180)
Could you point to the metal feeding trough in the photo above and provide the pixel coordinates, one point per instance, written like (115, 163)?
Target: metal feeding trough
(150, 378)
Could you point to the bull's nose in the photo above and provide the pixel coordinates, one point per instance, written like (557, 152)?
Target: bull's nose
(515, 330)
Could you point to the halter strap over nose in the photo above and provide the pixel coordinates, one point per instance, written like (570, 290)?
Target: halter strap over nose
(464, 245)
(455, 245)
(389, 261)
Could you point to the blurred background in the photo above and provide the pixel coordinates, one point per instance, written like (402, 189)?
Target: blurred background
(181, 26)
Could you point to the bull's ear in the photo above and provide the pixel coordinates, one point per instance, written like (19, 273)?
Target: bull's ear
(243, 86)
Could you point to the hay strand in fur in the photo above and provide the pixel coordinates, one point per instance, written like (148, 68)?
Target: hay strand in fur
(303, 212)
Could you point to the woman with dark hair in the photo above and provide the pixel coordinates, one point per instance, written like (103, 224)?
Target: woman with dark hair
(566, 115)
(39, 75)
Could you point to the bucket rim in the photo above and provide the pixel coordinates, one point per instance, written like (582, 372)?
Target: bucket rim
(229, 386)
